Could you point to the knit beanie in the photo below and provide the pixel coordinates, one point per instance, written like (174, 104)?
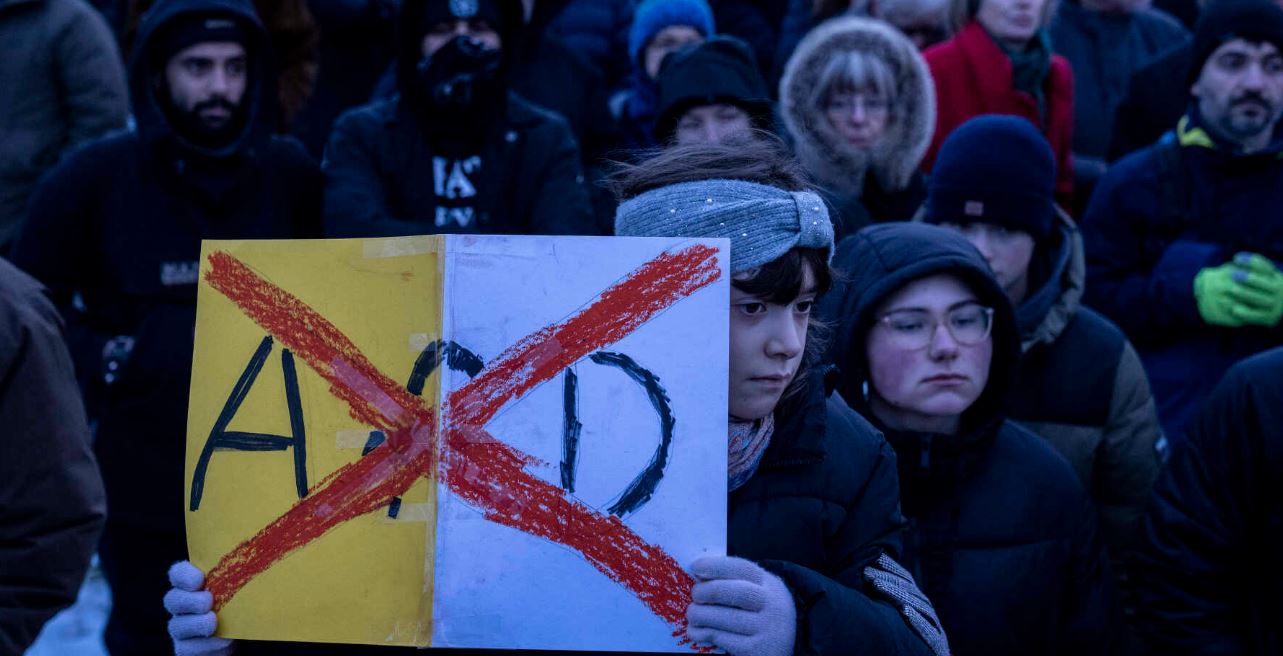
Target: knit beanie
(720, 70)
(762, 222)
(1259, 21)
(994, 169)
(652, 16)
(188, 30)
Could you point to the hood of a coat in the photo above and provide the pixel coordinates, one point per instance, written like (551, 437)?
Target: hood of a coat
(912, 114)
(876, 262)
(409, 44)
(9, 4)
(260, 93)
(1062, 270)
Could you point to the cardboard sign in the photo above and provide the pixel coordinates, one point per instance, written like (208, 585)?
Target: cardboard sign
(458, 441)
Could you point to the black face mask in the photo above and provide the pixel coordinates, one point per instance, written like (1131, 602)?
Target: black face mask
(461, 75)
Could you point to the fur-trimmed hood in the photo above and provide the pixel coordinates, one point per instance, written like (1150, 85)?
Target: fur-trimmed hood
(912, 117)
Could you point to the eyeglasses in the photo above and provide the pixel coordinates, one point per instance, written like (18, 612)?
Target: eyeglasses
(845, 103)
(911, 330)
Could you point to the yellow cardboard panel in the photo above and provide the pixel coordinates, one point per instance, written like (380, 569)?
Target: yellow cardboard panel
(368, 580)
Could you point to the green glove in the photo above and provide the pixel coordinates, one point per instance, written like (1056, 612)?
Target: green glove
(1259, 295)
(1245, 291)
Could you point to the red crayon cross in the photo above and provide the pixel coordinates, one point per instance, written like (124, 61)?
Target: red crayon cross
(481, 470)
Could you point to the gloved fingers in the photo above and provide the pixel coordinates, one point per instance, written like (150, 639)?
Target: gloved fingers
(204, 647)
(1268, 283)
(727, 567)
(183, 627)
(736, 594)
(185, 576)
(731, 643)
(182, 602)
(1255, 262)
(1255, 316)
(1250, 296)
(722, 618)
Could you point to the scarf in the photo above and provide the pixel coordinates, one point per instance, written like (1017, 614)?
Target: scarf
(745, 445)
(1029, 68)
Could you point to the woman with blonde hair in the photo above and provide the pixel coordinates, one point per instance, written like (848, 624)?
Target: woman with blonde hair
(858, 103)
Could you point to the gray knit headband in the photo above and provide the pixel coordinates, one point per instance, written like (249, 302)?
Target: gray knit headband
(762, 222)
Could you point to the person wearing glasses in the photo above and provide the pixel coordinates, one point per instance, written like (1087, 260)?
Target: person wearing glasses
(857, 100)
(1001, 536)
(1082, 385)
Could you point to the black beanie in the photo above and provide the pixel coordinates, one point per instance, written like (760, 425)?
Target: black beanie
(190, 29)
(1259, 21)
(442, 11)
(719, 70)
(994, 169)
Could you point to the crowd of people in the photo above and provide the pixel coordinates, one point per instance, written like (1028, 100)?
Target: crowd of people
(1020, 260)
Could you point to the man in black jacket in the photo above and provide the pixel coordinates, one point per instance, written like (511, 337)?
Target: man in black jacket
(117, 226)
(456, 151)
(1209, 574)
(51, 499)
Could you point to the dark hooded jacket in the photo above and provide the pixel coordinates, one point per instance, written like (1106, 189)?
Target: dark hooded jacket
(386, 163)
(1082, 387)
(1208, 575)
(119, 223)
(1157, 96)
(862, 185)
(1001, 536)
(51, 499)
(818, 512)
(1159, 217)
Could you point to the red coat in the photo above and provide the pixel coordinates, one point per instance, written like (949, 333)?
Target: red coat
(973, 77)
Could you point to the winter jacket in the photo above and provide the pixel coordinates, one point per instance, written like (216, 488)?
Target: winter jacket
(1104, 50)
(1082, 388)
(1156, 99)
(1159, 217)
(65, 85)
(597, 30)
(1209, 573)
(973, 76)
(890, 168)
(1001, 537)
(51, 498)
(818, 512)
(379, 174)
(119, 223)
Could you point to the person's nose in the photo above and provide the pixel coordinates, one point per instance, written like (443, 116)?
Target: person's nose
(712, 133)
(218, 82)
(859, 115)
(786, 340)
(942, 346)
(1253, 77)
(982, 244)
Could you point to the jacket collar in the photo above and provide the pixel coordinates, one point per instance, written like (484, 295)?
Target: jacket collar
(1191, 133)
(1046, 312)
(800, 438)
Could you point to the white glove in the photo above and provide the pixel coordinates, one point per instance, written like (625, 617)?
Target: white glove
(193, 622)
(741, 608)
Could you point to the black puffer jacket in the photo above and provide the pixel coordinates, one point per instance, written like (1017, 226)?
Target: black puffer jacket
(1208, 576)
(1002, 537)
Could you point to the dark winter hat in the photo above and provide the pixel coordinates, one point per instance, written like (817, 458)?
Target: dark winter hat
(654, 15)
(436, 12)
(720, 70)
(188, 30)
(1259, 21)
(994, 169)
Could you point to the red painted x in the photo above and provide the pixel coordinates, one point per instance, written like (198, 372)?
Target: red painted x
(481, 470)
